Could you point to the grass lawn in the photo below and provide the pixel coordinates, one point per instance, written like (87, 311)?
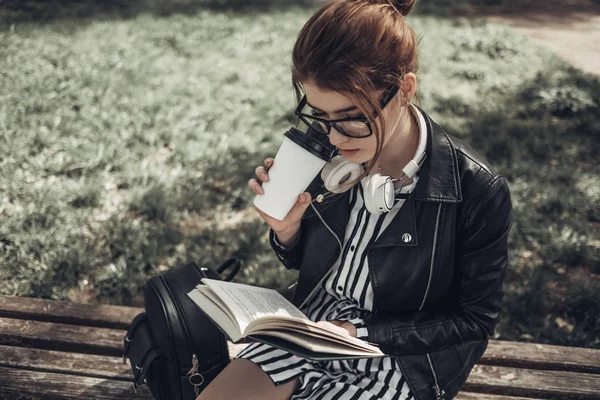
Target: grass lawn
(126, 145)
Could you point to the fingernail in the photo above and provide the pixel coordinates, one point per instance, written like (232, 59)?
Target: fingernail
(268, 160)
(260, 190)
(264, 177)
(302, 198)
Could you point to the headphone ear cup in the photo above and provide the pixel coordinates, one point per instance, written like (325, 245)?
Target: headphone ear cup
(339, 171)
(378, 193)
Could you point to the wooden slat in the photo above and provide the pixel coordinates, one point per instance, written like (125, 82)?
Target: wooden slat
(65, 362)
(53, 336)
(16, 384)
(502, 353)
(485, 379)
(104, 341)
(89, 365)
(105, 316)
(505, 383)
(72, 338)
(538, 356)
(532, 383)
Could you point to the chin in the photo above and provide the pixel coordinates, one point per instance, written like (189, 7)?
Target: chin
(361, 157)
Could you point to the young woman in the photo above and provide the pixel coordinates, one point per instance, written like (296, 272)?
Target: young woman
(423, 280)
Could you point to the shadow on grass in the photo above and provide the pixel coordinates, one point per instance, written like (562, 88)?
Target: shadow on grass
(544, 139)
(534, 11)
(43, 11)
(40, 11)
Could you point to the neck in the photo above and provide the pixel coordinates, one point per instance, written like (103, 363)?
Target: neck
(400, 148)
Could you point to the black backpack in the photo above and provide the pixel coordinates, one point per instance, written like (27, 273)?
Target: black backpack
(173, 347)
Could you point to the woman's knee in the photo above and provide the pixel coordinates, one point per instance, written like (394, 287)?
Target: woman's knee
(243, 379)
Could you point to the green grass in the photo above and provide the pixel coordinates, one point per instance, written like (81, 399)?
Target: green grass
(126, 145)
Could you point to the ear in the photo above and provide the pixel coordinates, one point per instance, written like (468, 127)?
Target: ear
(408, 86)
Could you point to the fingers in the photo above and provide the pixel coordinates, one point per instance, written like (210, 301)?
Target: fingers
(261, 173)
(300, 207)
(333, 327)
(255, 186)
(261, 176)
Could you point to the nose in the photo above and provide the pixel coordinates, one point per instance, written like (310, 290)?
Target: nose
(336, 138)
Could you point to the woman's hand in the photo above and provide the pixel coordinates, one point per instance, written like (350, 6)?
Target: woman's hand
(341, 327)
(287, 228)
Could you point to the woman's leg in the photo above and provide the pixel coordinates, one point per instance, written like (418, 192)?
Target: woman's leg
(242, 379)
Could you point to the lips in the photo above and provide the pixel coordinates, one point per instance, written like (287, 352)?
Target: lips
(348, 152)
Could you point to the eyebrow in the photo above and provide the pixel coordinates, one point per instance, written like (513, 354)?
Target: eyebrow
(351, 108)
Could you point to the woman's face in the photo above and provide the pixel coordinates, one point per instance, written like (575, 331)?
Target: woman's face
(335, 105)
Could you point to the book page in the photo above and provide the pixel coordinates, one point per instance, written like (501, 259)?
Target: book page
(214, 308)
(311, 351)
(318, 344)
(309, 329)
(248, 303)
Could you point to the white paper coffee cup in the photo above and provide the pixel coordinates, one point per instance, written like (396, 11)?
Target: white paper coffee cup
(298, 161)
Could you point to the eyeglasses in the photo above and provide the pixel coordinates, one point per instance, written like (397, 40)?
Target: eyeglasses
(356, 127)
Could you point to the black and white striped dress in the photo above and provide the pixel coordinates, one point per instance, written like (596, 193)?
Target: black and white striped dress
(346, 295)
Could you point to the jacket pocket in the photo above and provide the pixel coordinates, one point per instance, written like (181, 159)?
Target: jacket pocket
(446, 366)
(455, 363)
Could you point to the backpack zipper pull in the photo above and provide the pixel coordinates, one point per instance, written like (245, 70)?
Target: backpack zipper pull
(194, 369)
(196, 379)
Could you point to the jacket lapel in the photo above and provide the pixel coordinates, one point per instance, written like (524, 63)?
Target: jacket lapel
(438, 182)
(402, 229)
(438, 179)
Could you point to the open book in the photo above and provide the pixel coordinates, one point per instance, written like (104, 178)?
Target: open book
(251, 313)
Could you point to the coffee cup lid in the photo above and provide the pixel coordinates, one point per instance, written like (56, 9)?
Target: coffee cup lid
(310, 144)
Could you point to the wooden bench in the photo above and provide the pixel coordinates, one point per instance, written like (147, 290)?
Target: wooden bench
(59, 350)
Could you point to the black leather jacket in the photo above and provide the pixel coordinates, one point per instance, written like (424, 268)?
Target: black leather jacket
(436, 296)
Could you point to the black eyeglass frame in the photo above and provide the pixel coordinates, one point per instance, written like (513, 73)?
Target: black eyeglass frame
(391, 92)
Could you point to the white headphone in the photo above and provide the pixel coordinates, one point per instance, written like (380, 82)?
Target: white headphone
(379, 190)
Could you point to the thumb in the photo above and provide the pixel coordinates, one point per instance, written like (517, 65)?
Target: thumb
(300, 207)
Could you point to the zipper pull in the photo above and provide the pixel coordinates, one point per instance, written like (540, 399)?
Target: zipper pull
(195, 379)
(194, 369)
(439, 394)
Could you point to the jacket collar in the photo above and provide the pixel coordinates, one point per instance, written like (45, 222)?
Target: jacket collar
(439, 180)
(438, 177)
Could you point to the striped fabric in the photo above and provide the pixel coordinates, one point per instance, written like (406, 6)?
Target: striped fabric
(347, 295)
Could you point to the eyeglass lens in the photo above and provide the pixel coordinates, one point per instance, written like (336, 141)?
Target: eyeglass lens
(354, 128)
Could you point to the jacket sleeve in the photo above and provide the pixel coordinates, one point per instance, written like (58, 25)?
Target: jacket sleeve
(482, 258)
(288, 255)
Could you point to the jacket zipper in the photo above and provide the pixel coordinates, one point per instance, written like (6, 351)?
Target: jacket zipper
(435, 235)
(332, 265)
(439, 393)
